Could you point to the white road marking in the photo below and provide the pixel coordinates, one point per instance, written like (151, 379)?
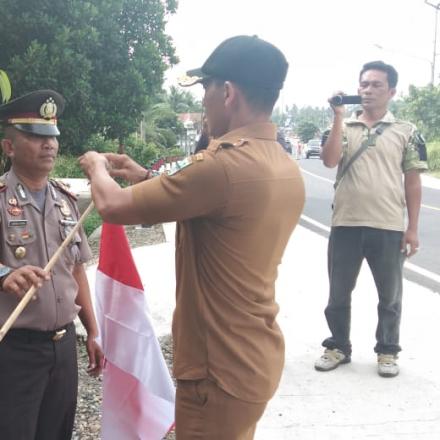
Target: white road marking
(332, 181)
(412, 267)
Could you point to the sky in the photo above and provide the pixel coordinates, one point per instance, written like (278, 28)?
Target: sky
(326, 42)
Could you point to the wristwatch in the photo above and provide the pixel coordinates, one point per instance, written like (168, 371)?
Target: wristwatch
(4, 272)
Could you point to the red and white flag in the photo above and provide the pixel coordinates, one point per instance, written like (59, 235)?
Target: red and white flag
(138, 393)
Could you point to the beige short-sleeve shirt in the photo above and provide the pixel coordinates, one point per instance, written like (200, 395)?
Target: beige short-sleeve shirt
(371, 193)
(31, 236)
(236, 204)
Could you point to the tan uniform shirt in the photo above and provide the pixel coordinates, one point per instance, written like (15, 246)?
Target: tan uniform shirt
(371, 193)
(26, 230)
(237, 204)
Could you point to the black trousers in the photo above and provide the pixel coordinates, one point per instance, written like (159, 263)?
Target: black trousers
(38, 385)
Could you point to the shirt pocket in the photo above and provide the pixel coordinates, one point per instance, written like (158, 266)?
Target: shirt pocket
(20, 241)
(72, 252)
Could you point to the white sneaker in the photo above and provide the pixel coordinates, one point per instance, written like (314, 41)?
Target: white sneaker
(387, 365)
(331, 359)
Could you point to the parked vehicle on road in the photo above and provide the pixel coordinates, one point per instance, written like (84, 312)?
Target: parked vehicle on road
(313, 148)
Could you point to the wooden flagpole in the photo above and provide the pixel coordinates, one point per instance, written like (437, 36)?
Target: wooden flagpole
(30, 293)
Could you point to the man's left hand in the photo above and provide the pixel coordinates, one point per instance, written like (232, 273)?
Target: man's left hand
(96, 357)
(410, 243)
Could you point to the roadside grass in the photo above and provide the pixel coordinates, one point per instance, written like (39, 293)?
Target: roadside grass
(92, 222)
(434, 158)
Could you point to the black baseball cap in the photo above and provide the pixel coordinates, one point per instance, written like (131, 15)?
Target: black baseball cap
(246, 60)
(34, 113)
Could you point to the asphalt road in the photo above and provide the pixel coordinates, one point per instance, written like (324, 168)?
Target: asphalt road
(423, 268)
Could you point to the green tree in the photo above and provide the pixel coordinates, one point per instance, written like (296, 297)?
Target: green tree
(307, 130)
(320, 117)
(107, 57)
(161, 126)
(422, 107)
(183, 101)
(295, 117)
(281, 117)
(397, 107)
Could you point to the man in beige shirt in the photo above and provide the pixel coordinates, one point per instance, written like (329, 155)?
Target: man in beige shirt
(236, 204)
(38, 365)
(369, 214)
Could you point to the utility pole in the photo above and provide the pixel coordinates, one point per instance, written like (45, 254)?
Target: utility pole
(434, 55)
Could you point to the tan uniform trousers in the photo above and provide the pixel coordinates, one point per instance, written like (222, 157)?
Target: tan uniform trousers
(206, 412)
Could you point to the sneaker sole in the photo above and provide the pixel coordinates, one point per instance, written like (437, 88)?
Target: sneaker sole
(346, 360)
(387, 375)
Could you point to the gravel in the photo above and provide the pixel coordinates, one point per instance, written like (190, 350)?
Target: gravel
(88, 416)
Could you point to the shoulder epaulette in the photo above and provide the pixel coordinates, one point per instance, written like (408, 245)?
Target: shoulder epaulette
(198, 157)
(240, 142)
(403, 122)
(63, 188)
(237, 143)
(225, 144)
(214, 145)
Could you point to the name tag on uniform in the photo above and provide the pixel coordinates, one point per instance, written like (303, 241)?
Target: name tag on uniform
(68, 222)
(20, 223)
(180, 165)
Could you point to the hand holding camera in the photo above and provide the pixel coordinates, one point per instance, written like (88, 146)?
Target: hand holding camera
(341, 99)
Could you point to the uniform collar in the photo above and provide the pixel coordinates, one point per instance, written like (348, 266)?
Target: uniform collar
(261, 130)
(18, 188)
(21, 192)
(388, 118)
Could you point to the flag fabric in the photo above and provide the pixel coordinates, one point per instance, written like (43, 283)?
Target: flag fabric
(138, 393)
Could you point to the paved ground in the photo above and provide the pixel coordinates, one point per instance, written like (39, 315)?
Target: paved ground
(352, 402)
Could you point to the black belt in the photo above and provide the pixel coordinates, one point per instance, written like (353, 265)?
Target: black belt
(29, 336)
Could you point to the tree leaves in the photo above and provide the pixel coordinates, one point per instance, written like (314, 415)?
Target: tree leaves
(106, 57)
(422, 107)
(307, 130)
(5, 87)
(294, 117)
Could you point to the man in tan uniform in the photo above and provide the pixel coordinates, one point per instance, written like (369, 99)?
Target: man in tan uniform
(38, 367)
(369, 214)
(236, 204)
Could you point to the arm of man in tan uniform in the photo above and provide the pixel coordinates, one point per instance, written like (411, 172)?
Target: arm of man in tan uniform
(194, 191)
(124, 167)
(106, 192)
(87, 317)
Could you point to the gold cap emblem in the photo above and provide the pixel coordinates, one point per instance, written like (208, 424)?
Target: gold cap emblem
(186, 81)
(48, 109)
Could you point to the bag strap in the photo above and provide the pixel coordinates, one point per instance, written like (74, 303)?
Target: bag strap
(370, 141)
